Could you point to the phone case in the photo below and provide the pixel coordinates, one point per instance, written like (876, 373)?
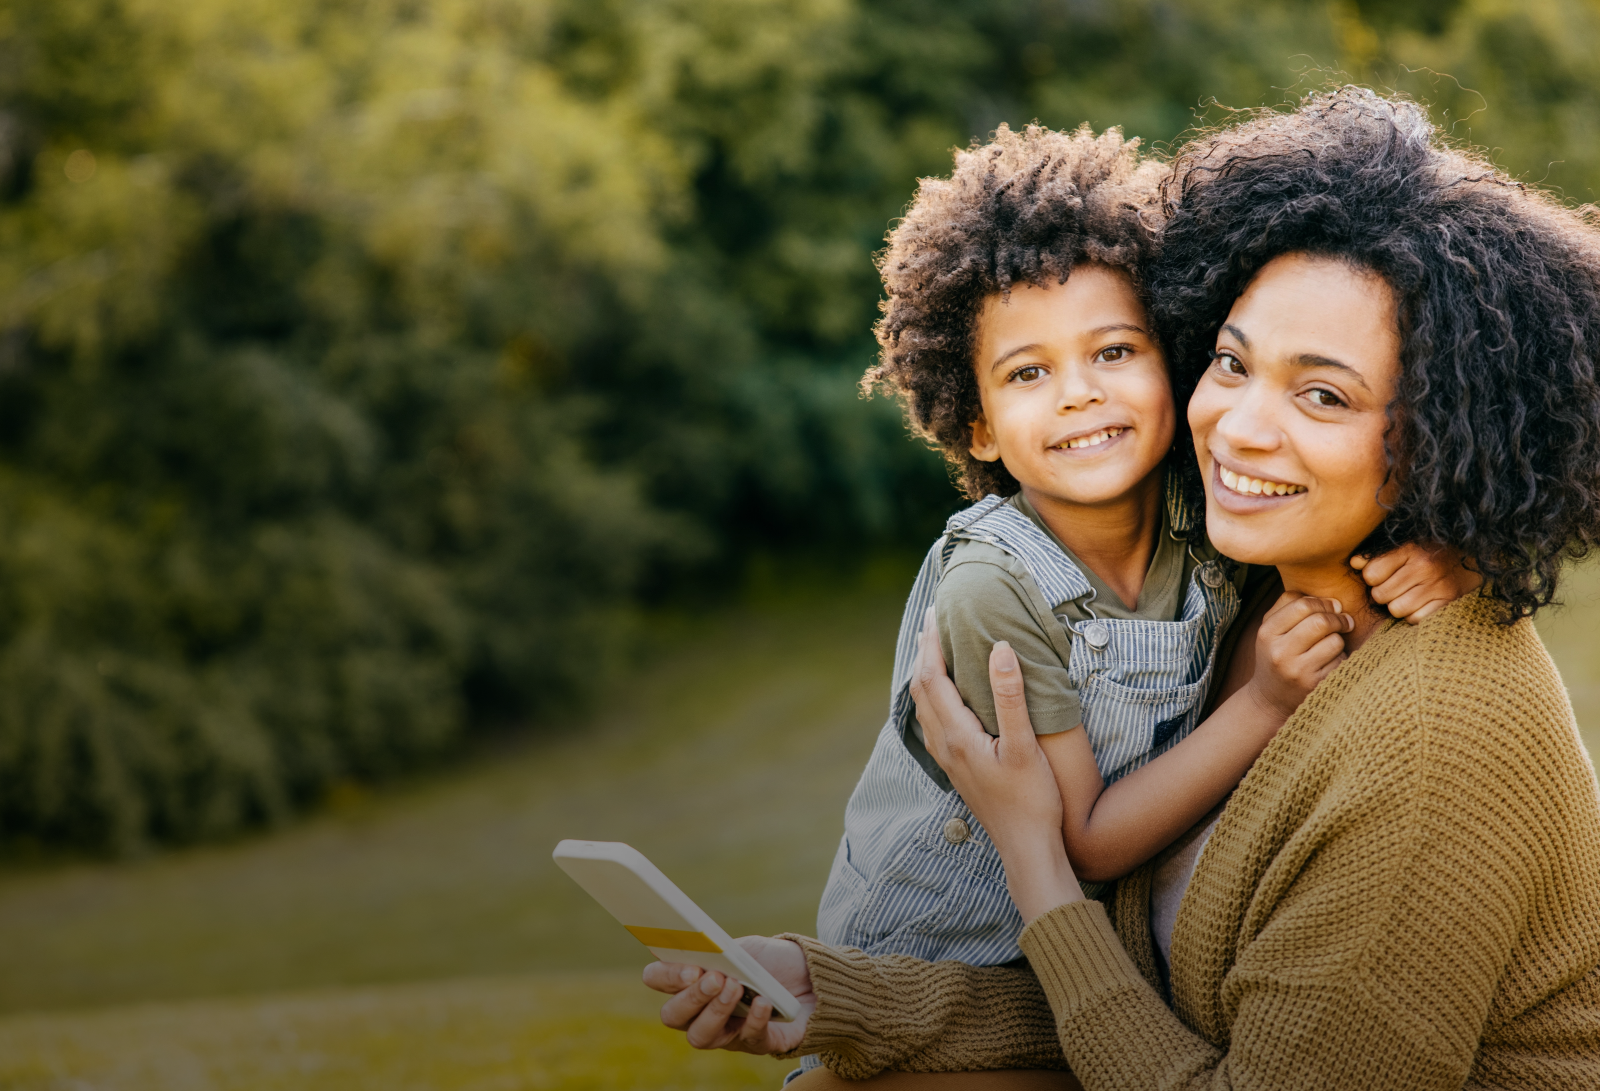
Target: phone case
(664, 919)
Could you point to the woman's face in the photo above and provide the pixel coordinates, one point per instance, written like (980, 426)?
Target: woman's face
(1289, 420)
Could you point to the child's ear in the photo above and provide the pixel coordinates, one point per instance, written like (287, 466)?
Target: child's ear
(984, 448)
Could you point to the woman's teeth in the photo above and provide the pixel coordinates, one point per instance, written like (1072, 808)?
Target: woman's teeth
(1254, 486)
(1094, 440)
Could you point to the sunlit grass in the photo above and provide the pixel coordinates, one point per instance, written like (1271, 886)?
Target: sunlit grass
(593, 1031)
(727, 760)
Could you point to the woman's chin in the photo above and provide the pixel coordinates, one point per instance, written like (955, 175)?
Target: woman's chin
(1245, 538)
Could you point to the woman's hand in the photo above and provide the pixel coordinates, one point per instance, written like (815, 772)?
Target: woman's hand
(703, 1000)
(1006, 781)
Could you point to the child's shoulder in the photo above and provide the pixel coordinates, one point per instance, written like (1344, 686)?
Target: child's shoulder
(984, 580)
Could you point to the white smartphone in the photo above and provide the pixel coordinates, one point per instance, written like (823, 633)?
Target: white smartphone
(662, 917)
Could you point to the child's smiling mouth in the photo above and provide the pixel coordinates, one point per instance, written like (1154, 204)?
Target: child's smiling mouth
(1093, 439)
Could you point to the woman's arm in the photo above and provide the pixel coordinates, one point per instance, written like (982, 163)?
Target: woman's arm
(864, 1014)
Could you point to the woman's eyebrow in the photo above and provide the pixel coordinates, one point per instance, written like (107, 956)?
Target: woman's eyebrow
(1311, 359)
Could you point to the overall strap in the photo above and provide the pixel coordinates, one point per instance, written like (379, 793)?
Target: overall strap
(1002, 525)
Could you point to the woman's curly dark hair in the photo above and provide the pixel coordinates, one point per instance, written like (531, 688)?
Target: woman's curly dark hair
(1022, 209)
(1494, 436)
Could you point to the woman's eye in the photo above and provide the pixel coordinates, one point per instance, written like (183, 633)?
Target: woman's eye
(1229, 364)
(1027, 374)
(1324, 398)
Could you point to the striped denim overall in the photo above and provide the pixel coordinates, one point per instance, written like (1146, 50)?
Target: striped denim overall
(916, 874)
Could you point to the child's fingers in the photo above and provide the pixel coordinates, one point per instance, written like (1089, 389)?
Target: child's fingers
(1291, 609)
(1380, 568)
(1324, 655)
(1410, 602)
(1329, 665)
(1311, 631)
(1426, 610)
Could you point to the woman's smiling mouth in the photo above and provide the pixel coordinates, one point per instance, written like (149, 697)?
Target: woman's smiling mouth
(1242, 494)
(1255, 486)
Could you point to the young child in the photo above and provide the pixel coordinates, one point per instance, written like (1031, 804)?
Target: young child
(1015, 333)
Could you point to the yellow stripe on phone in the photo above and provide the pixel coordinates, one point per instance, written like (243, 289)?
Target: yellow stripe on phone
(673, 940)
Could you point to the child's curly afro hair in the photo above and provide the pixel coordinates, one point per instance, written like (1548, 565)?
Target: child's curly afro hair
(1494, 440)
(1022, 209)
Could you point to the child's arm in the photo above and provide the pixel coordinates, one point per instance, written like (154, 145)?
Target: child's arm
(1417, 581)
(1110, 831)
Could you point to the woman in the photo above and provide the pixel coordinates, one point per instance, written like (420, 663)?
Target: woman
(1405, 889)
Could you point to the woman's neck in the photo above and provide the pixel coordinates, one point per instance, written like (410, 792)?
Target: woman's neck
(1115, 540)
(1337, 582)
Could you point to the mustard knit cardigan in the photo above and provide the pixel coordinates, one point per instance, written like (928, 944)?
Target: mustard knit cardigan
(1404, 892)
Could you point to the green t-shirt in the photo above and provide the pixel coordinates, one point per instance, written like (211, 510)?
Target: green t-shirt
(987, 596)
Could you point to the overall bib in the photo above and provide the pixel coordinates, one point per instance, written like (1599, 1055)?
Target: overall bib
(916, 874)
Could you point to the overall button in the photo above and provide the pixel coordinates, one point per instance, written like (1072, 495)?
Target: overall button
(1097, 635)
(956, 831)
(1211, 575)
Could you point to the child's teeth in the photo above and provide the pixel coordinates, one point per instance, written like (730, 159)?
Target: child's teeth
(1094, 440)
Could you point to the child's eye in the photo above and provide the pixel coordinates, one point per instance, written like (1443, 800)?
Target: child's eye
(1027, 373)
(1324, 397)
(1229, 364)
(1112, 354)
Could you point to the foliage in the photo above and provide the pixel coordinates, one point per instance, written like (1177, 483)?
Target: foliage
(363, 363)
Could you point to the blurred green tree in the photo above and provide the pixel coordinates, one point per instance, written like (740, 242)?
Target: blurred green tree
(364, 362)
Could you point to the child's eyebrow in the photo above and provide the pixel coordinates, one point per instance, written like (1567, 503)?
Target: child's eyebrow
(1014, 352)
(1096, 332)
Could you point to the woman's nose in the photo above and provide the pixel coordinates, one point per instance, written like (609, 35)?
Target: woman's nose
(1248, 425)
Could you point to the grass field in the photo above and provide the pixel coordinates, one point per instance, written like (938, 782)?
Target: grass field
(420, 938)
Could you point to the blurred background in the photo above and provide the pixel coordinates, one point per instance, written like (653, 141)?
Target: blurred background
(428, 429)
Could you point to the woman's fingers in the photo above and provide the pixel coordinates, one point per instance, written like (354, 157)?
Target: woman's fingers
(1010, 701)
(948, 725)
(752, 1036)
(670, 977)
(709, 1029)
(691, 1003)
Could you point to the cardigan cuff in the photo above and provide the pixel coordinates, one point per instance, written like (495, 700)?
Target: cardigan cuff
(1076, 954)
(844, 987)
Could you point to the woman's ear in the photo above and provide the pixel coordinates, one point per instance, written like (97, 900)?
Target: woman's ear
(984, 448)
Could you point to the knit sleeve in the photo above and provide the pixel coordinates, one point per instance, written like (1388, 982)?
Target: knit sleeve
(895, 1012)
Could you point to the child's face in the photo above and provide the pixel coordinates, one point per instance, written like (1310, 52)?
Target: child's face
(1076, 399)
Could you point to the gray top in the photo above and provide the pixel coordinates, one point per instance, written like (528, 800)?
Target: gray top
(1170, 881)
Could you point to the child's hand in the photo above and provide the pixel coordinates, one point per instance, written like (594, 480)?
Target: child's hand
(1416, 581)
(1300, 642)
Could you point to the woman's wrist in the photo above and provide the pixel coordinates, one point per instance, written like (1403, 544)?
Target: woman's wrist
(1039, 876)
